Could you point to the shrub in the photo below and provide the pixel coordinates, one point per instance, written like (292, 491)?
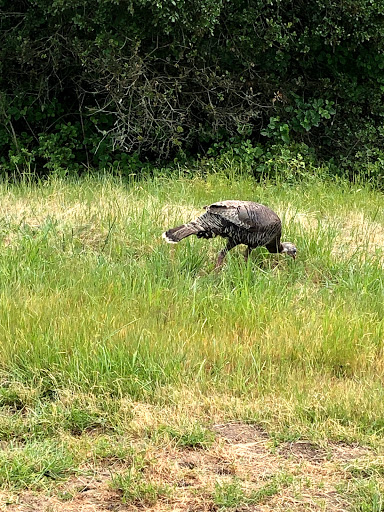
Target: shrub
(88, 83)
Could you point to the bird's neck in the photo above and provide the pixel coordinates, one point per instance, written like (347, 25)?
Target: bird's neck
(275, 246)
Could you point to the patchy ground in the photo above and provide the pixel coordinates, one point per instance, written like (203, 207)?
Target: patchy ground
(241, 471)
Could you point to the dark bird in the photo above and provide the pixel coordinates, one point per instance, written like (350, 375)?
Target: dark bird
(241, 222)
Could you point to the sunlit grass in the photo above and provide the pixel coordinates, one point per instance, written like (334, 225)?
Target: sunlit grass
(98, 314)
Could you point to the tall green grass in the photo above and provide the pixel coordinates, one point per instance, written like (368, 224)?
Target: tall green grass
(93, 301)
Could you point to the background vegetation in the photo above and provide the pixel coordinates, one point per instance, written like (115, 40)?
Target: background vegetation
(115, 83)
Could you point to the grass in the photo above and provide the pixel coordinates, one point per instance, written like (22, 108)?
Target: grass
(107, 330)
(136, 490)
(35, 465)
(191, 435)
(366, 495)
(134, 486)
(230, 495)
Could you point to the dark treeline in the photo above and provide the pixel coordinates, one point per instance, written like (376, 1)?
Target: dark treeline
(103, 82)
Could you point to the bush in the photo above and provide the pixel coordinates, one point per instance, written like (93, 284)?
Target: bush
(85, 83)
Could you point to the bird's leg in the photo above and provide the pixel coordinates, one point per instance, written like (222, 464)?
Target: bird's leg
(247, 253)
(220, 258)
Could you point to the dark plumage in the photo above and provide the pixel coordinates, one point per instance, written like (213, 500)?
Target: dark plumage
(241, 222)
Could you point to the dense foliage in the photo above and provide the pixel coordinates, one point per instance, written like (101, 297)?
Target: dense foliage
(100, 82)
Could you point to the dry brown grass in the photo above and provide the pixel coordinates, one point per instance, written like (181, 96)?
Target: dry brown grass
(354, 231)
(88, 218)
(357, 233)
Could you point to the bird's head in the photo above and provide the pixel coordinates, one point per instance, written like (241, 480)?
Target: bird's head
(290, 249)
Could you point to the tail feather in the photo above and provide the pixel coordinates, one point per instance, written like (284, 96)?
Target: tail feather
(174, 235)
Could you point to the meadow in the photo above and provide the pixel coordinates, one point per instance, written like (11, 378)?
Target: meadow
(134, 375)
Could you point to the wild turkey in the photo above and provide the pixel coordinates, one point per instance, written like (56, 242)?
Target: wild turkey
(241, 222)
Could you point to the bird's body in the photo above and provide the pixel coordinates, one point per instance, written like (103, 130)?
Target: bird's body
(241, 222)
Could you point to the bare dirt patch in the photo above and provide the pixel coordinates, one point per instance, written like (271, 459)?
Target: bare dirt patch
(82, 494)
(306, 476)
(345, 453)
(304, 451)
(235, 433)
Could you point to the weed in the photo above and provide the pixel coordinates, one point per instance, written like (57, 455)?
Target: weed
(229, 494)
(366, 495)
(78, 420)
(35, 465)
(134, 487)
(232, 494)
(112, 449)
(191, 435)
(138, 491)
(16, 396)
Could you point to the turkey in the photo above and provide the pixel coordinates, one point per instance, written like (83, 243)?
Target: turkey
(241, 222)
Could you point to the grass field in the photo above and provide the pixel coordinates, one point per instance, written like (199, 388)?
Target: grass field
(133, 376)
